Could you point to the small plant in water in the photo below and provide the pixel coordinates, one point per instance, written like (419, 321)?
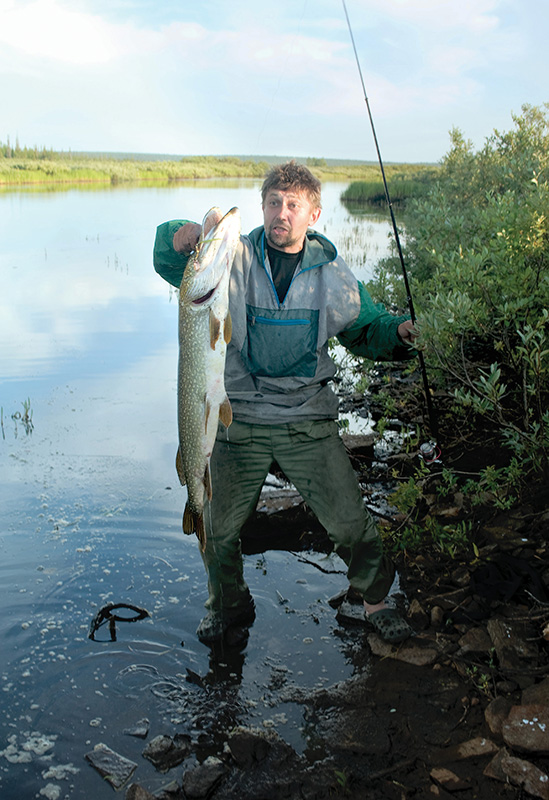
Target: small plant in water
(25, 418)
(342, 779)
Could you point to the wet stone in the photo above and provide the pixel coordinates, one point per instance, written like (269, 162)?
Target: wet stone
(496, 713)
(350, 612)
(512, 649)
(165, 752)
(506, 687)
(527, 728)
(461, 576)
(140, 729)
(448, 779)
(137, 792)
(473, 748)
(494, 769)
(538, 693)
(199, 782)
(116, 769)
(507, 768)
(438, 793)
(171, 791)
(524, 774)
(437, 617)
(418, 616)
(474, 641)
(409, 651)
(248, 745)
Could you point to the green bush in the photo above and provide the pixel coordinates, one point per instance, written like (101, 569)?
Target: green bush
(477, 250)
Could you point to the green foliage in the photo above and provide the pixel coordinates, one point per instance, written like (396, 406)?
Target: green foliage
(477, 252)
(66, 169)
(500, 485)
(408, 494)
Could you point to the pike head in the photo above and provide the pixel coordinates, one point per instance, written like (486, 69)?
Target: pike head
(207, 271)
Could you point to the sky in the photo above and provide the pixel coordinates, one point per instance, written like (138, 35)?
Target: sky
(250, 77)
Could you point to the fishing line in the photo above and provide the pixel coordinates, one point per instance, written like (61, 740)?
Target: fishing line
(431, 450)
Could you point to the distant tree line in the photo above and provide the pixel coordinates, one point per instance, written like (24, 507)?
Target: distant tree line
(9, 150)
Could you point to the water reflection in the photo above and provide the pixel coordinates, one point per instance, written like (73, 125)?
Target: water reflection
(91, 509)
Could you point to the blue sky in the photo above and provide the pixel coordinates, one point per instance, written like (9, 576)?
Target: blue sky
(251, 77)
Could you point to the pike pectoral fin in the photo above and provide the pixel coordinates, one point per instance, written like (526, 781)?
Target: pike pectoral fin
(228, 328)
(194, 523)
(215, 330)
(179, 467)
(226, 412)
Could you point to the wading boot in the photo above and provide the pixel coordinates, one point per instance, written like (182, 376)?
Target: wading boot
(216, 623)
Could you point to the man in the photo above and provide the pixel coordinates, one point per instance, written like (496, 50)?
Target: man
(289, 294)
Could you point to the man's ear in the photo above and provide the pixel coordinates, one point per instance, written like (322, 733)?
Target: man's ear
(315, 214)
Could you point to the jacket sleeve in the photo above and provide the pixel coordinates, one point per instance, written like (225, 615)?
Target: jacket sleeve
(374, 334)
(169, 264)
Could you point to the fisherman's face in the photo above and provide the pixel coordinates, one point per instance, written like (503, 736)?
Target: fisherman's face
(287, 215)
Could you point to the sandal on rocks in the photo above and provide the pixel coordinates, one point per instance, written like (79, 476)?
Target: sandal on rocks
(389, 624)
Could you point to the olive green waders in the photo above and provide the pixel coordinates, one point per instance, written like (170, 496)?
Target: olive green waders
(313, 457)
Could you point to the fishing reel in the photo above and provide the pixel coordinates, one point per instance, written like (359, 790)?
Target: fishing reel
(430, 453)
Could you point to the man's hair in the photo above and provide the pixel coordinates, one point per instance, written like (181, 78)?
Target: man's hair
(292, 176)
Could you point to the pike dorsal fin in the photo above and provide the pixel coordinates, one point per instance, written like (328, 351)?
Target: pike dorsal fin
(226, 412)
(228, 328)
(179, 467)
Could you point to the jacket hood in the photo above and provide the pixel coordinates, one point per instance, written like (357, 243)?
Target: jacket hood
(318, 249)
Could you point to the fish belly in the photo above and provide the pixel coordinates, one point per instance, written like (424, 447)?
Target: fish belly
(201, 392)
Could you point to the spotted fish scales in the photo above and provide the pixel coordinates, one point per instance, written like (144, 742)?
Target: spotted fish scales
(204, 331)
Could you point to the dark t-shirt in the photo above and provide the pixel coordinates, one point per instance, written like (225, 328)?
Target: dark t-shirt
(283, 266)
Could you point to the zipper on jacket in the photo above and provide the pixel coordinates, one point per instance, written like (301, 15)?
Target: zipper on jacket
(267, 321)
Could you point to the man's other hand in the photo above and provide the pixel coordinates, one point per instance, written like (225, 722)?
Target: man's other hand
(408, 332)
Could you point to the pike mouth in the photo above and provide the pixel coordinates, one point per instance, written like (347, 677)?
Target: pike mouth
(205, 297)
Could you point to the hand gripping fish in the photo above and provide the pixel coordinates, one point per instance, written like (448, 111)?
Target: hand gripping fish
(204, 331)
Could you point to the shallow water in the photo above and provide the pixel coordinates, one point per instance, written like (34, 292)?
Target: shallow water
(91, 507)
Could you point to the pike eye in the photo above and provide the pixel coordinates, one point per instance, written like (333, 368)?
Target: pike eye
(204, 297)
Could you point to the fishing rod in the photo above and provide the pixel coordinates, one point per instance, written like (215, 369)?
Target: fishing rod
(429, 451)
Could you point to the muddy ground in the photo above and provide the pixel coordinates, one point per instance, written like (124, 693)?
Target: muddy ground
(461, 709)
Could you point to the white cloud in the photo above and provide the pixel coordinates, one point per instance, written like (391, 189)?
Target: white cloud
(51, 29)
(477, 16)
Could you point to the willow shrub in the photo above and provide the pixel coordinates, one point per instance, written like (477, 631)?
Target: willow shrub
(477, 250)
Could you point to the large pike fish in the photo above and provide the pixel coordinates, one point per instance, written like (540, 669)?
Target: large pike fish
(204, 331)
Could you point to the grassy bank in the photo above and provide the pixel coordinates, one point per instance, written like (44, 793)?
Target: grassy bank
(81, 169)
(403, 182)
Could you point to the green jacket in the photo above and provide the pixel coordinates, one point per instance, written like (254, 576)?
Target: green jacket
(278, 368)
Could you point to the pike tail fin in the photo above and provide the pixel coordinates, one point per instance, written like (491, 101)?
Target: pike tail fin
(194, 523)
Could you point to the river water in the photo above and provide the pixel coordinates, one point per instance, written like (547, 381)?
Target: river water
(91, 506)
